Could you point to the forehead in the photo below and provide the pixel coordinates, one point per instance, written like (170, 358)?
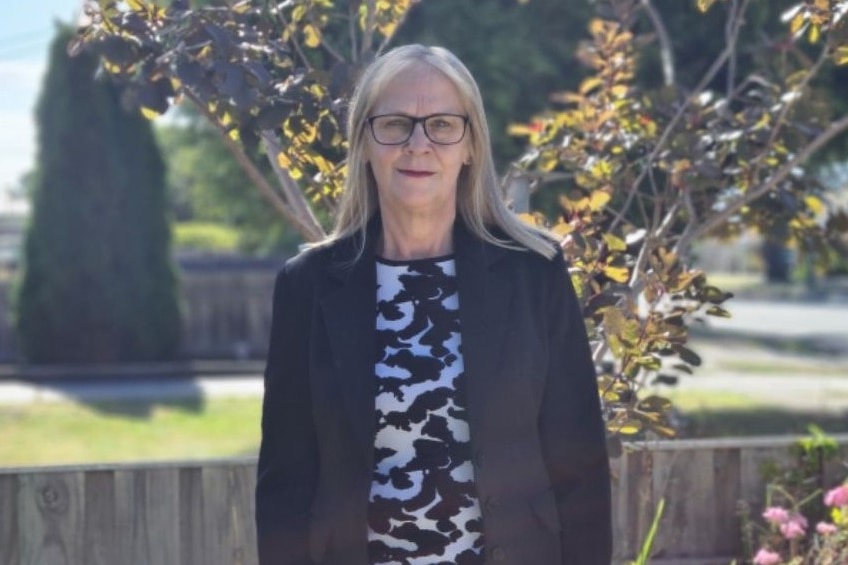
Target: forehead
(418, 91)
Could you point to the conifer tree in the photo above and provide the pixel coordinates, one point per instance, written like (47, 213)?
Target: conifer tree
(97, 284)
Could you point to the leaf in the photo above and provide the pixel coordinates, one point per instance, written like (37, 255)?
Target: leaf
(815, 33)
(590, 84)
(797, 23)
(718, 311)
(311, 36)
(562, 229)
(618, 274)
(283, 160)
(654, 403)
(840, 55)
(528, 218)
(629, 427)
(814, 204)
(649, 363)
(614, 243)
(664, 379)
(704, 5)
(682, 368)
(689, 356)
(598, 200)
(149, 114)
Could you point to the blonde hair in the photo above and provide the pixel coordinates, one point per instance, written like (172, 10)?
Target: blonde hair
(479, 200)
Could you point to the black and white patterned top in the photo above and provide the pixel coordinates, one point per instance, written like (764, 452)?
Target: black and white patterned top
(423, 506)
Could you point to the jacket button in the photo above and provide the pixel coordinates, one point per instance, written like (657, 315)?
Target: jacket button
(498, 554)
(492, 503)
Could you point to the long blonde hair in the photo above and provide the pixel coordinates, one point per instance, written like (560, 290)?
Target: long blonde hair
(479, 200)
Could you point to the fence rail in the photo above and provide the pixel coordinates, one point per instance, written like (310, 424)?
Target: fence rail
(201, 512)
(226, 311)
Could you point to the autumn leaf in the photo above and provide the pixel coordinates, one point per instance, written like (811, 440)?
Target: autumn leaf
(704, 5)
(149, 114)
(311, 36)
(618, 274)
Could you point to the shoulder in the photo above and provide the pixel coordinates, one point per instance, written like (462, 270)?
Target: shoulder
(311, 263)
(516, 252)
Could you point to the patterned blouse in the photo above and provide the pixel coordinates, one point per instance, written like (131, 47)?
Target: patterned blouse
(423, 506)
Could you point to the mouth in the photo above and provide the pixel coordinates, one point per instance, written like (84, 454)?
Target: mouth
(415, 174)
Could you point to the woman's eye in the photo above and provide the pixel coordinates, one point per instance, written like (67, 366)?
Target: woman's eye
(397, 123)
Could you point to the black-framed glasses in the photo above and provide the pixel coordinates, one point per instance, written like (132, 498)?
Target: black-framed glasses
(396, 129)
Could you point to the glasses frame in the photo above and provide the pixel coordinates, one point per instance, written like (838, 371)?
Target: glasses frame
(423, 121)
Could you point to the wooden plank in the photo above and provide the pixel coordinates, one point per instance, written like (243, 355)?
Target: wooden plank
(728, 489)
(147, 513)
(50, 518)
(243, 481)
(618, 471)
(753, 463)
(100, 545)
(215, 519)
(686, 480)
(192, 534)
(637, 501)
(9, 536)
(229, 515)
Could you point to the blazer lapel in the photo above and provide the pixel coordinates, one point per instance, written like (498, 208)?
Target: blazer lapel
(349, 309)
(484, 305)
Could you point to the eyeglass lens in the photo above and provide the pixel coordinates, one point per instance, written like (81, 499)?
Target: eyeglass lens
(439, 128)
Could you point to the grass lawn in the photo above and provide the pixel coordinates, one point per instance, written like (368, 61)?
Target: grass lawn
(65, 433)
(69, 433)
(721, 414)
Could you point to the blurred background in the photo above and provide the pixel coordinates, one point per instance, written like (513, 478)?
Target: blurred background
(176, 223)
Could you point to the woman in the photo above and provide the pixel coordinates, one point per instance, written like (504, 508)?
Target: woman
(430, 395)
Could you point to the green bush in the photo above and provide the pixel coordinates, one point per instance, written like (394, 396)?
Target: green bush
(205, 236)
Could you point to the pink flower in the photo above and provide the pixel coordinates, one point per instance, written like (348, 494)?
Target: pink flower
(825, 528)
(776, 515)
(766, 557)
(837, 496)
(794, 528)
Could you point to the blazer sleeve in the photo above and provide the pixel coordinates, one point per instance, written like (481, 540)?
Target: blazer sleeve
(288, 456)
(572, 429)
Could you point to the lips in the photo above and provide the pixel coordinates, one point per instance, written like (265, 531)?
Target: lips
(415, 174)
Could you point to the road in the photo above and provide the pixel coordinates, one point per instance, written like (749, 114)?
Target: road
(829, 320)
(728, 343)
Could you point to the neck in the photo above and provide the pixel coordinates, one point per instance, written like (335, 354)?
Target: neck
(415, 237)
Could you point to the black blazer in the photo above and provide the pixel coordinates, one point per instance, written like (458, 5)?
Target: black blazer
(537, 435)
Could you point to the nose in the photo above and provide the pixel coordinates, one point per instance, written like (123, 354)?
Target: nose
(418, 141)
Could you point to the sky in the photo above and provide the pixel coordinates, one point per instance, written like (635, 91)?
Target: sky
(25, 34)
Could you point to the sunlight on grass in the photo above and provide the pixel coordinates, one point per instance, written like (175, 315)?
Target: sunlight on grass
(780, 368)
(63, 433)
(699, 400)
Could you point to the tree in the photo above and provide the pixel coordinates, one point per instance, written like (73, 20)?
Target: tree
(643, 172)
(205, 184)
(97, 283)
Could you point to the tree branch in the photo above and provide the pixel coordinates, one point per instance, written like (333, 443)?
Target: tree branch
(666, 50)
(705, 80)
(257, 178)
(771, 183)
(368, 32)
(291, 191)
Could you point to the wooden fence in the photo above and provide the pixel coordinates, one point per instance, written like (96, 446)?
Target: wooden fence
(201, 513)
(226, 310)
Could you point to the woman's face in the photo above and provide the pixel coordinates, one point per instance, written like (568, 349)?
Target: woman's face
(418, 176)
